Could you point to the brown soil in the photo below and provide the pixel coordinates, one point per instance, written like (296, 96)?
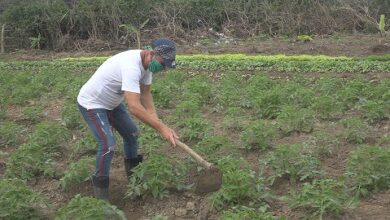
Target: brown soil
(356, 45)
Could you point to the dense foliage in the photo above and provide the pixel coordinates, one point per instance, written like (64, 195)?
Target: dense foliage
(69, 24)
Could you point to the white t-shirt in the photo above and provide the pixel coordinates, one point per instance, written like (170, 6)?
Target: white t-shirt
(122, 72)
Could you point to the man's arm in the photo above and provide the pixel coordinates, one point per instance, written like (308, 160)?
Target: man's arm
(147, 100)
(138, 110)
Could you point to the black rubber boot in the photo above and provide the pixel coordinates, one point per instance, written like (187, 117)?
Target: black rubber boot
(100, 187)
(131, 163)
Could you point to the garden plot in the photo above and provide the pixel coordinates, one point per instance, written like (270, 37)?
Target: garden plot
(295, 136)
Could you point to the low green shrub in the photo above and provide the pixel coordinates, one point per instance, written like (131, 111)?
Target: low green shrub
(36, 157)
(240, 185)
(155, 176)
(198, 86)
(33, 113)
(375, 111)
(368, 169)
(268, 104)
(234, 119)
(194, 128)
(85, 144)
(71, 115)
(30, 160)
(323, 143)
(294, 162)
(230, 92)
(321, 197)
(18, 201)
(326, 107)
(167, 88)
(149, 140)
(328, 85)
(49, 134)
(351, 93)
(77, 172)
(188, 109)
(297, 92)
(292, 119)
(89, 208)
(356, 130)
(258, 135)
(213, 147)
(10, 133)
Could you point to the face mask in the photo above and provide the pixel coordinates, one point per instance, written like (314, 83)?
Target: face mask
(155, 66)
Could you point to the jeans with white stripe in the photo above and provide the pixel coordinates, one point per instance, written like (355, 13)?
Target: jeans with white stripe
(101, 122)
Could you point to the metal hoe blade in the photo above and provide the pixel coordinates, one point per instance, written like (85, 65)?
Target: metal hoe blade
(209, 180)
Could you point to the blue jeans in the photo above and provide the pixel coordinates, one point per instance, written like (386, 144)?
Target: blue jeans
(101, 122)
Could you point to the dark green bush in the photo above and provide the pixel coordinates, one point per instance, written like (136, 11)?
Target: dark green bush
(18, 201)
(368, 169)
(89, 208)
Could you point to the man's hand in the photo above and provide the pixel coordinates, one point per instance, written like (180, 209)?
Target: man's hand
(169, 135)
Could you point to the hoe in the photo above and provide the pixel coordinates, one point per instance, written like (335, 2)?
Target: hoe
(210, 179)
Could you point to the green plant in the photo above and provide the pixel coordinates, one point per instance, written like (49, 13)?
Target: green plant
(36, 41)
(381, 25)
(33, 113)
(375, 111)
(194, 128)
(154, 177)
(85, 144)
(213, 147)
(77, 172)
(188, 108)
(268, 104)
(234, 119)
(292, 119)
(49, 134)
(321, 197)
(36, 156)
(230, 90)
(150, 141)
(294, 162)
(368, 169)
(258, 135)
(323, 143)
(18, 201)
(326, 107)
(356, 130)
(132, 29)
(30, 160)
(297, 92)
(246, 213)
(351, 93)
(240, 185)
(258, 84)
(10, 133)
(198, 88)
(89, 208)
(167, 88)
(71, 115)
(328, 86)
(304, 38)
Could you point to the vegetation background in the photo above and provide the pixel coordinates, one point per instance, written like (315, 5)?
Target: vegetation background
(115, 24)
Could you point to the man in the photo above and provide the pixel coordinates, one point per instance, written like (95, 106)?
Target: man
(127, 75)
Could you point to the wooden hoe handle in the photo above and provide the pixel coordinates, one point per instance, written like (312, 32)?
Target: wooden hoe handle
(194, 155)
